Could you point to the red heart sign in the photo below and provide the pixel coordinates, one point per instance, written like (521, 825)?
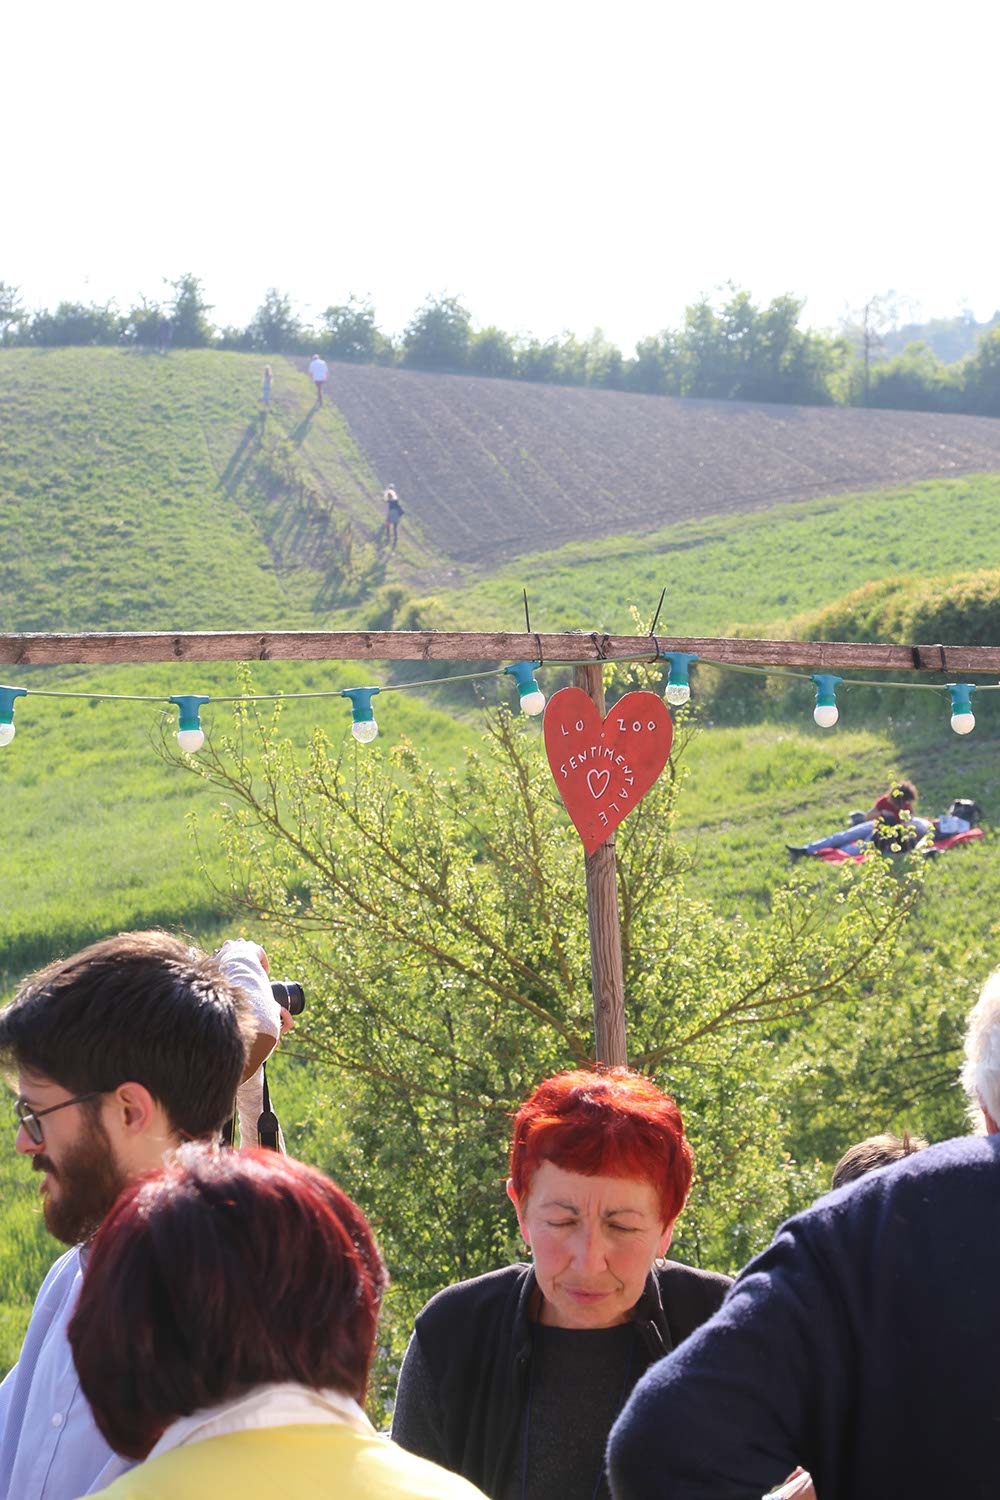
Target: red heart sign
(604, 769)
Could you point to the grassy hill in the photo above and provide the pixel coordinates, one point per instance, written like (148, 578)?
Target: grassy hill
(139, 492)
(146, 492)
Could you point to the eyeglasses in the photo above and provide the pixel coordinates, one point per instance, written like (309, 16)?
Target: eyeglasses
(31, 1119)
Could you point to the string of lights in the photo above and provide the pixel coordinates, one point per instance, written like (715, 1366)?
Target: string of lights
(191, 736)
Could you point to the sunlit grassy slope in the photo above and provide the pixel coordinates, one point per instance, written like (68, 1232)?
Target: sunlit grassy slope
(132, 496)
(748, 569)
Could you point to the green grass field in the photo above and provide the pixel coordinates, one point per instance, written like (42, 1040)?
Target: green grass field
(746, 570)
(140, 493)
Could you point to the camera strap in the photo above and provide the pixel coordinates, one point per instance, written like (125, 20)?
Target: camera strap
(267, 1124)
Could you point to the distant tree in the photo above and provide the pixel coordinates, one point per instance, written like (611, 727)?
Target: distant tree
(603, 362)
(437, 338)
(708, 370)
(12, 312)
(812, 368)
(537, 360)
(981, 377)
(571, 360)
(76, 323)
(788, 364)
(188, 312)
(492, 352)
(740, 332)
(350, 331)
(141, 324)
(657, 368)
(915, 380)
(274, 328)
(235, 339)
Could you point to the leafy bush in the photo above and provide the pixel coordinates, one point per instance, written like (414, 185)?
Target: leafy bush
(441, 920)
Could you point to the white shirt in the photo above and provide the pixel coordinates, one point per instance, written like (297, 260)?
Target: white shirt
(50, 1448)
(318, 369)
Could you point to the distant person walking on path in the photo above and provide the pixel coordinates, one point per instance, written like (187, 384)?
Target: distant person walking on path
(318, 374)
(393, 514)
(265, 394)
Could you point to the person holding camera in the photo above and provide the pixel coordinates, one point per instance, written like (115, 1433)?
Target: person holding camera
(245, 964)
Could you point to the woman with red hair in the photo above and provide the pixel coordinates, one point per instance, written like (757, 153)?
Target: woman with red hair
(514, 1379)
(225, 1331)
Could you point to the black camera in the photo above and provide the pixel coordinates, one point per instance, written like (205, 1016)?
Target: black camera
(290, 995)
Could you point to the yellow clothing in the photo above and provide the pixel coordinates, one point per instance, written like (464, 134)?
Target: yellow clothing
(310, 1462)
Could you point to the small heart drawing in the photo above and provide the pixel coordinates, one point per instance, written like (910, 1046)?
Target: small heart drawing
(604, 768)
(598, 782)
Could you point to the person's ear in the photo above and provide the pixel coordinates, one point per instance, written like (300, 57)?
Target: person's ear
(133, 1110)
(992, 1128)
(512, 1195)
(663, 1243)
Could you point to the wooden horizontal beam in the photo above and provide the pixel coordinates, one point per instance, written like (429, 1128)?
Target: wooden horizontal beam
(93, 649)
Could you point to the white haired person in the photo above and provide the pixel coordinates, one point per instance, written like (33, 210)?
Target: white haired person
(981, 1070)
(319, 374)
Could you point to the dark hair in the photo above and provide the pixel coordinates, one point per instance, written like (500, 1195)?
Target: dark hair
(877, 1151)
(222, 1271)
(903, 791)
(143, 1008)
(609, 1124)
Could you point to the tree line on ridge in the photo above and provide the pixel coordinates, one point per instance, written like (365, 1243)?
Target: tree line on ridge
(727, 348)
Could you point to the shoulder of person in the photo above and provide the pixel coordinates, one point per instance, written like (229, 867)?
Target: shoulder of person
(466, 1301)
(60, 1280)
(690, 1291)
(413, 1474)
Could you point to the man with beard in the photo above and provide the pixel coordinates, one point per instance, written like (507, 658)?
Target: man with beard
(121, 1052)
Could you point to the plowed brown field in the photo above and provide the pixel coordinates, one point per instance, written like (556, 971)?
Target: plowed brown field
(483, 465)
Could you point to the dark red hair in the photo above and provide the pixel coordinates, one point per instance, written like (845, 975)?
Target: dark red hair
(613, 1123)
(222, 1271)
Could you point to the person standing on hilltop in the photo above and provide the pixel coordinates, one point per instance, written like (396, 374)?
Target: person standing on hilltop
(393, 514)
(318, 374)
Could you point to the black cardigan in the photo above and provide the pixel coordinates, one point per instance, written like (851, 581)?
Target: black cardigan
(474, 1342)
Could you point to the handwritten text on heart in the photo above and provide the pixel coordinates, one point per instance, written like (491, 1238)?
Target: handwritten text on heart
(603, 768)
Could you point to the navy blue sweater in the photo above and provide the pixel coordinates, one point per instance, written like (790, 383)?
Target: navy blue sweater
(864, 1345)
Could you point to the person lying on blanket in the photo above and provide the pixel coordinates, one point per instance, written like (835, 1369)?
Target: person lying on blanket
(902, 832)
(895, 807)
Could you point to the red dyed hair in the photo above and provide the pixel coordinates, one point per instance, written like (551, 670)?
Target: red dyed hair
(613, 1123)
(220, 1272)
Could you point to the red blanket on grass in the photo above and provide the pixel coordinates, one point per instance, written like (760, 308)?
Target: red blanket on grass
(838, 857)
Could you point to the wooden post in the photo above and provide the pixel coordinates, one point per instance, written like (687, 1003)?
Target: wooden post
(607, 979)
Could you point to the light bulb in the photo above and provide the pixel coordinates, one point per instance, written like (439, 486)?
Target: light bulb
(7, 733)
(364, 731)
(533, 703)
(963, 723)
(826, 715)
(677, 693)
(190, 740)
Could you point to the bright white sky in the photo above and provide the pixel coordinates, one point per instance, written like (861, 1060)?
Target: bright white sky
(555, 166)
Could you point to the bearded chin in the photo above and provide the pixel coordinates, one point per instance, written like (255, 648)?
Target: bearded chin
(86, 1184)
